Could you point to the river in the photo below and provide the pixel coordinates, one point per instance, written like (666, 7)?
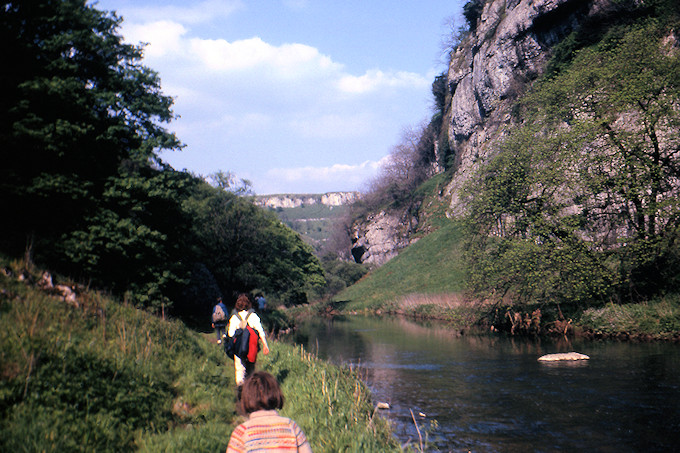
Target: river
(490, 394)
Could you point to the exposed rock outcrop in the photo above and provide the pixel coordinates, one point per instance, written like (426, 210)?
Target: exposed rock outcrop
(492, 67)
(295, 201)
(381, 236)
(510, 47)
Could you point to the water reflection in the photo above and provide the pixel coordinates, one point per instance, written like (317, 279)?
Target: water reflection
(489, 393)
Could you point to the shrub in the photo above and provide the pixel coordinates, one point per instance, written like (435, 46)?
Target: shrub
(472, 11)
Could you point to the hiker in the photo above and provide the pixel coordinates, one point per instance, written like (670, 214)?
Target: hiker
(243, 309)
(265, 429)
(219, 319)
(261, 303)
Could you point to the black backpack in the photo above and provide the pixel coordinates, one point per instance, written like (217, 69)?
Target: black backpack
(238, 344)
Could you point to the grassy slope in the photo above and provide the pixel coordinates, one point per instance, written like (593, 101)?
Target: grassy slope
(107, 377)
(430, 266)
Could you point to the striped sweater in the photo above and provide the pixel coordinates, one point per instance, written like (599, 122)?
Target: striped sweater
(268, 432)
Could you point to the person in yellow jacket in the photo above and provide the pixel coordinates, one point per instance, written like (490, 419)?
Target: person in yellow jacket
(243, 305)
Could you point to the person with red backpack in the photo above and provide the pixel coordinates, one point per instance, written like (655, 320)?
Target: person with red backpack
(242, 318)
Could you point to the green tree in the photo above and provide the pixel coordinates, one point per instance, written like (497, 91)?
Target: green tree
(622, 98)
(524, 238)
(339, 275)
(246, 247)
(581, 202)
(227, 181)
(80, 131)
(472, 11)
(137, 242)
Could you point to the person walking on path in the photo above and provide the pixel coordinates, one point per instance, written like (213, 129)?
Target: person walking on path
(261, 303)
(265, 429)
(243, 310)
(219, 319)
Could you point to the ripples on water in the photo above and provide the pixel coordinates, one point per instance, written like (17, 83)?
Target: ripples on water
(490, 394)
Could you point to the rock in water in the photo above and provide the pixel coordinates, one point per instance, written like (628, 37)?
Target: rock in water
(563, 356)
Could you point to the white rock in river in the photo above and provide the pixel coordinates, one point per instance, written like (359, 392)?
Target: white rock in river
(563, 356)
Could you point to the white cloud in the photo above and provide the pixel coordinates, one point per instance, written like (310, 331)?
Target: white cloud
(286, 60)
(248, 104)
(171, 41)
(375, 79)
(258, 63)
(163, 37)
(338, 177)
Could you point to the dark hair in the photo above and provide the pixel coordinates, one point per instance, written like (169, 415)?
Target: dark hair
(243, 302)
(260, 391)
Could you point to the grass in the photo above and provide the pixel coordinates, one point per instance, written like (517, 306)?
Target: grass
(659, 319)
(100, 375)
(431, 267)
(331, 404)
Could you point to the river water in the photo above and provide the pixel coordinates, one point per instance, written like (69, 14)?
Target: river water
(490, 394)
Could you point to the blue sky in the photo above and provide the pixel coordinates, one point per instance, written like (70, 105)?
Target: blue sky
(297, 96)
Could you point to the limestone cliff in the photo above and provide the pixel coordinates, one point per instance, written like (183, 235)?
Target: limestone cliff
(378, 238)
(494, 65)
(509, 47)
(295, 200)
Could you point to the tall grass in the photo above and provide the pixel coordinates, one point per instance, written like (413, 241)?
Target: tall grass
(658, 318)
(107, 377)
(331, 404)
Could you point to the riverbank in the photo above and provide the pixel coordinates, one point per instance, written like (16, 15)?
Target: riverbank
(84, 372)
(657, 320)
(427, 280)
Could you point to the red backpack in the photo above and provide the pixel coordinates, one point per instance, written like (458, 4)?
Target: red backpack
(244, 344)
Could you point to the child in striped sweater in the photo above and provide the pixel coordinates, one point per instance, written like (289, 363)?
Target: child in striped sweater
(265, 429)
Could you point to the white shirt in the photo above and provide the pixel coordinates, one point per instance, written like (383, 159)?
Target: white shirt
(253, 321)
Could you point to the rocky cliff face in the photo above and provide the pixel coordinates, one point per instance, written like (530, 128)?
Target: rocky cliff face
(379, 238)
(492, 67)
(295, 201)
(509, 48)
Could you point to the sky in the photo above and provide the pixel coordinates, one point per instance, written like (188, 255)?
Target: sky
(295, 96)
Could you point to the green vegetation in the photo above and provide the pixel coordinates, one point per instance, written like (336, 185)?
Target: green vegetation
(655, 319)
(580, 206)
(575, 210)
(82, 127)
(244, 247)
(331, 404)
(472, 11)
(99, 375)
(339, 275)
(324, 227)
(430, 266)
(314, 222)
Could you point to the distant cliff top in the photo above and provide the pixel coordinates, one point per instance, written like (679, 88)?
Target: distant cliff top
(297, 200)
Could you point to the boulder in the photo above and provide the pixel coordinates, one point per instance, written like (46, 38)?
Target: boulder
(563, 356)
